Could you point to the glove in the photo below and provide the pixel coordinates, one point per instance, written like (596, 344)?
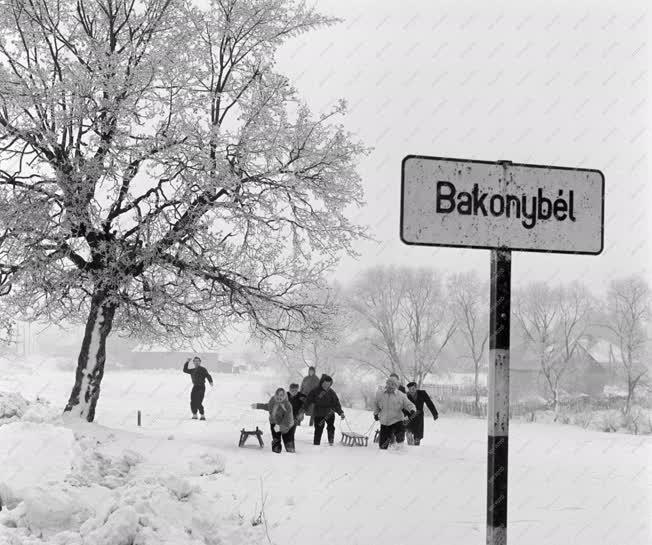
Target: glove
(342, 416)
(376, 417)
(253, 405)
(413, 414)
(277, 428)
(435, 416)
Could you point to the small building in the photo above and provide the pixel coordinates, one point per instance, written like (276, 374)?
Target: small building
(589, 371)
(158, 358)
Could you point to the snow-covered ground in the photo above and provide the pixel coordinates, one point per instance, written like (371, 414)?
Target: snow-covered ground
(179, 481)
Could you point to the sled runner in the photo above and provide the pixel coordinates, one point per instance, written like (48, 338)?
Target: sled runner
(244, 435)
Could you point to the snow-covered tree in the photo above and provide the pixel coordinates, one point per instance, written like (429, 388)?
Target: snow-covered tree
(408, 320)
(324, 346)
(470, 304)
(628, 316)
(553, 320)
(168, 179)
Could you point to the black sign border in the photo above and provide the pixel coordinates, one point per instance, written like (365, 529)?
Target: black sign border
(499, 163)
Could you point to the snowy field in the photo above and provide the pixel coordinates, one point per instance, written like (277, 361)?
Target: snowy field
(176, 481)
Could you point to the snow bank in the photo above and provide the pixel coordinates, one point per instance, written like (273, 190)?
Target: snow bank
(12, 407)
(76, 483)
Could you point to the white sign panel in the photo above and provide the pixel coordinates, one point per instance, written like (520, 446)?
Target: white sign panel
(481, 204)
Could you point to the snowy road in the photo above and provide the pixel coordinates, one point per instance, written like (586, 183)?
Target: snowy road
(566, 485)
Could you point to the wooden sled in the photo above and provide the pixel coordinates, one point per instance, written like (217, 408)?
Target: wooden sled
(352, 439)
(244, 435)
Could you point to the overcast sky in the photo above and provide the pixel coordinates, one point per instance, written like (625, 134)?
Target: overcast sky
(543, 82)
(532, 82)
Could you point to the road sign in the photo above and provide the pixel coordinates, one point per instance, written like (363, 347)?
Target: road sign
(501, 206)
(483, 204)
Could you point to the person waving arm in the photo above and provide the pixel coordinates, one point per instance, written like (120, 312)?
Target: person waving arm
(430, 405)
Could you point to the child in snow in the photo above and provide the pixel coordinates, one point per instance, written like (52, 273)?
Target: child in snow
(281, 420)
(199, 375)
(325, 404)
(390, 404)
(296, 397)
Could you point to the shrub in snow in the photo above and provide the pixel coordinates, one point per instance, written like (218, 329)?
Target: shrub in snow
(584, 419)
(12, 407)
(638, 421)
(611, 421)
(562, 418)
(180, 488)
(207, 464)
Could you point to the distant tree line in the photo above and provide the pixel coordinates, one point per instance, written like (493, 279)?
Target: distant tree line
(416, 321)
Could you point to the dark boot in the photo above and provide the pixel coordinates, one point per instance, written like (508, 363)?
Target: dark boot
(289, 447)
(276, 446)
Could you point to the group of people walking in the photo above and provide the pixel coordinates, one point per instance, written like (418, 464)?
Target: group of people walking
(399, 411)
(287, 411)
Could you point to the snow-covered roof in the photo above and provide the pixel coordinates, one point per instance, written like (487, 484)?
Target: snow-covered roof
(601, 351)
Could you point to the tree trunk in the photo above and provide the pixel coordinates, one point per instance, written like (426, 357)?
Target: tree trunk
(477, 390)
(90, 364)
(630, 391)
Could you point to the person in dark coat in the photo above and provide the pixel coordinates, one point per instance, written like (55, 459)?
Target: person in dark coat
(296, 398)
(281, 420)
(419, 398)
(308, 384)
(199, 376)
(325, 404)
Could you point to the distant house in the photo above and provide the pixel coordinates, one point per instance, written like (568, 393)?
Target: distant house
(589, 371)
(526, 381)
(595, 367)
(158, 358)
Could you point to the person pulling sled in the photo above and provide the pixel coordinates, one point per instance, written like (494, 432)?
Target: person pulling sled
(390, 405)
(325, 404)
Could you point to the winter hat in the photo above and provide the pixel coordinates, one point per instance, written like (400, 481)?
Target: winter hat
(325, 378)
(391, 380)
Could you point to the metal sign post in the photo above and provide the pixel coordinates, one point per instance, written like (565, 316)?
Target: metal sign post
(498, 402)
(500, 206)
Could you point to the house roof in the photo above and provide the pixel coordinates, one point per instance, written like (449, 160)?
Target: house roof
(522, 357)
(602, 351)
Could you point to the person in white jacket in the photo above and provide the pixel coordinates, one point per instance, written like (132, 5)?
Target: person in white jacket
(390, 404)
